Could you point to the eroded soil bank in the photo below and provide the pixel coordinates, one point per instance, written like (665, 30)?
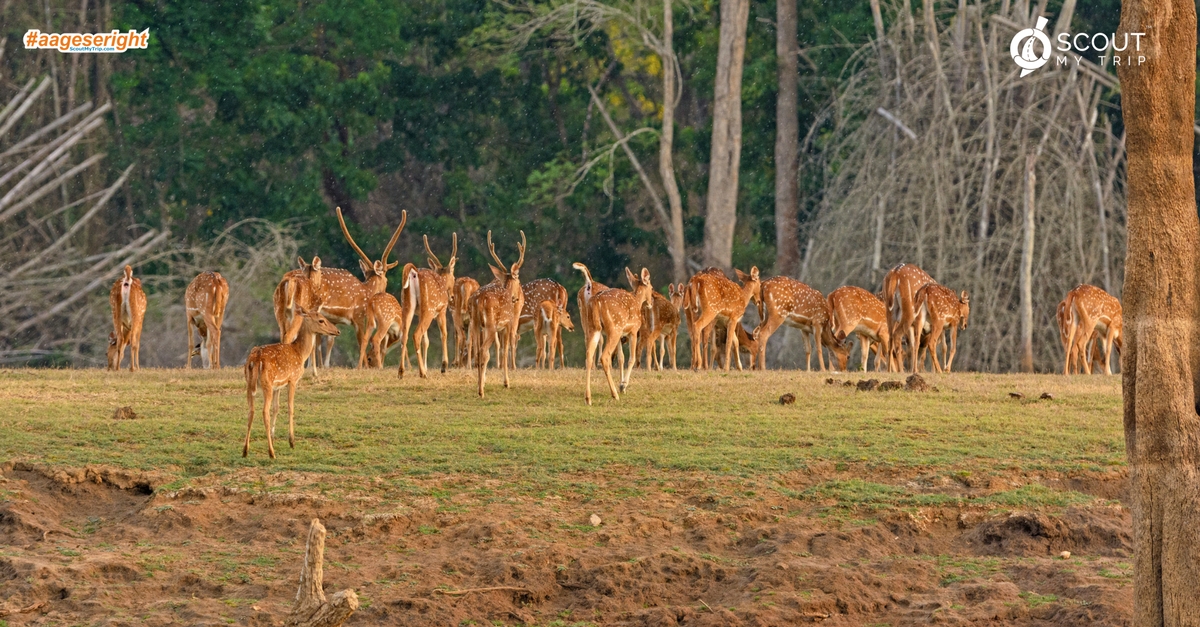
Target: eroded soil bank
(109, 547)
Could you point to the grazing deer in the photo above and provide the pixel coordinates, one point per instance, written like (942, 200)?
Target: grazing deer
(900, 287)
(128, 311)
(204, 301)
(939, 309)
(788, 301)
(464, 288)
(658, 338)
(269, 368)
(344, 298)
(716, 298)
(1063, 317)
(1093, 311)
(427, 294)
(857, 311)
(386, 316)
(494, 308)
(746, 344)
(614, 314)
(299, 289)
(535, 293)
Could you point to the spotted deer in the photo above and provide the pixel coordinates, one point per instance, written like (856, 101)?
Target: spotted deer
(658, 338)
(614, 314)
(900, 287)
(788, 301)
(427, 294)
(717, 299)
(386, 316)
(746, 344)
(1093, 349)
(269, 368)
(857, 311)
(582, 297)
(940, 309)
(464, 288)
(543, 309)
(299, 289)
(1092, 311)
(496, 308)
(343, 298)
(691, 311)
(204, 302)
(128, 311)
(553, 318)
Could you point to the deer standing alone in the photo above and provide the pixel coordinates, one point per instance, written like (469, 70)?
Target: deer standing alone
(128, 303)
(269, 368)
(204, 301)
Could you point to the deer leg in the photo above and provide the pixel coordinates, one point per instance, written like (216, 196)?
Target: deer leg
(612, 343)
(250, 383)
(377, 354)
(421, 344)
(268, 394)
(292, 414)
(135, 347)
(188, 364)
(445, 341)
(953, 347)
(701, 325)
(482, 356)
(626, 375)
(214, 353)
(328, 348)
(1108, 342)
(589, 362)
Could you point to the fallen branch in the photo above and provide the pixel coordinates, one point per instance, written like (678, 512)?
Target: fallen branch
(455, 593)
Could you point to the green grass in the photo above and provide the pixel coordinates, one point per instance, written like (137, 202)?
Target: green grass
(854, 493)
(369, 423)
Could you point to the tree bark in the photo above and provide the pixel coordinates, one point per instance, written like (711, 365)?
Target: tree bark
(312, 609)
(666, 165)
(1027, 265)
(721, 210)
(787, 140)
(1161, 361)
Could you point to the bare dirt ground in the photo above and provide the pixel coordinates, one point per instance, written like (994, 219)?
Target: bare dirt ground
(104, 546)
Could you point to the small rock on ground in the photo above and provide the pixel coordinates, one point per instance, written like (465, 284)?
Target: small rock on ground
(916, 383)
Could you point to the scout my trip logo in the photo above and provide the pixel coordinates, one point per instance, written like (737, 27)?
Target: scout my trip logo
(1025, 44)
(115, 41)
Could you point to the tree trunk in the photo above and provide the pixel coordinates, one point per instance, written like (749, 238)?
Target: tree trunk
(1027, 266)
(787, 141)
(1159, 364)
(666, 165)
(721, 210)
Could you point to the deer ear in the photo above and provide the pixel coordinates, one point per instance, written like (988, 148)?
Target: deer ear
(303, 264)
(500, 274)
(965, 298)
(645, 276)
(671, 289)
(366, 268)
(633, 282)
(316, 262)
(741, 276)
(754, 273)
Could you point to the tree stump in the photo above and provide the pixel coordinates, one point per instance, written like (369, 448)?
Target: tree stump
(312, 609)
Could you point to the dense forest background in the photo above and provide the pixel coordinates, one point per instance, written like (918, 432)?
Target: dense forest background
(457, 111)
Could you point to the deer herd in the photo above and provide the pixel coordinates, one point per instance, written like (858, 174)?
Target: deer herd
(901, 325)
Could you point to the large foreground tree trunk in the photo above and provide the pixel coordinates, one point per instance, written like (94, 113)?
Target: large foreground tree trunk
(787, 142)
(721, 210)
(1160, 363)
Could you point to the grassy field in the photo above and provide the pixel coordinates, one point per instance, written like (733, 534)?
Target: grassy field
(369, 422)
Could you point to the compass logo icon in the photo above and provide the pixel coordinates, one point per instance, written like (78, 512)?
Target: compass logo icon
(1022, 50)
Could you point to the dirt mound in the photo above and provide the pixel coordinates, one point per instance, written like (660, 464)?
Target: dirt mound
(1091, 531)
(686, 550)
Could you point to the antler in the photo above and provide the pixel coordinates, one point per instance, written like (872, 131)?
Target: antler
(521, 249)
(346, 232)
(395, 236)
(433, 260)
(492, 249)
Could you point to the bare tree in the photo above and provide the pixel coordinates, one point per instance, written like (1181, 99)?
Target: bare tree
(787, 140)
(1161, 360)
(721, 210)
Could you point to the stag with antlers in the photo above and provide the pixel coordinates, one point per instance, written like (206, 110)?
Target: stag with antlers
(614, 314)
(716, 298)
(269, 368)
(496, 308)
(204, 301)
(857, 311)
(900, 287)
(344, 298)
(940, 309)
(427, 294)
(128, 310)
(1093, 312)
(788, 301)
